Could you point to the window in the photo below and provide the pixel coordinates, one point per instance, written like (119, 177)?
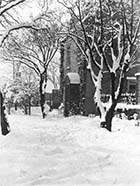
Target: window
(132, 88)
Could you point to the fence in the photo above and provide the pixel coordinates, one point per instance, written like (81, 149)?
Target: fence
(129, 98)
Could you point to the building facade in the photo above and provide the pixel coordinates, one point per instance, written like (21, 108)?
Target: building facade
(72, 62)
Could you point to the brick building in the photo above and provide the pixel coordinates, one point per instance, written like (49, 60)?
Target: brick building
(72, 62)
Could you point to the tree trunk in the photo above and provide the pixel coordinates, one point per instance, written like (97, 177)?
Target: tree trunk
(16, 105)
(83, 77)
(29, 105)
(42, 94)
(61, 72)
(25, 110)
(5, 128)
(108, 119)
(110, 113)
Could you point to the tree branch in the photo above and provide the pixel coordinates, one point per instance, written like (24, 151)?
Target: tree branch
(10, 6)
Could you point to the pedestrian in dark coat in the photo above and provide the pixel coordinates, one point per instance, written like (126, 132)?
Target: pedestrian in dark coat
(5, 128)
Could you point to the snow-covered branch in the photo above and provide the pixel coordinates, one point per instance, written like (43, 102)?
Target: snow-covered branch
(117, 60)
(20, 26)
(80, 47)
(13, 28)
(136, 32)
(9, 6)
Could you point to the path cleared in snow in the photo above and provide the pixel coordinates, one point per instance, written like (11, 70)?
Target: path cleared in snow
(70, 151)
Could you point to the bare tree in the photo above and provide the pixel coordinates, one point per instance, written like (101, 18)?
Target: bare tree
(36, 49)
(22, 90)
(108, 44)
(12, 16)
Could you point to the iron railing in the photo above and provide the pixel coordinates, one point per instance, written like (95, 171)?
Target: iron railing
(129, 98)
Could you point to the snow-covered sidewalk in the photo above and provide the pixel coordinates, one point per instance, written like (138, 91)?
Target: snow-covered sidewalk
(70, 151)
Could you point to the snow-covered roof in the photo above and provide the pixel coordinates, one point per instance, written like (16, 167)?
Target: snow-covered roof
(131, 78)
(137, 74)
(74, 77)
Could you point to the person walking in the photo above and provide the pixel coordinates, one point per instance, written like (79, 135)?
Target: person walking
(5, 128)
(46, 109)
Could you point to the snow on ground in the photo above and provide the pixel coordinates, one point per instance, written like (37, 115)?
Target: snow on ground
(72, 151)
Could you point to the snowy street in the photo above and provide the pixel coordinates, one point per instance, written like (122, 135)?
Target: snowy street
(69, 93)
(70, 151)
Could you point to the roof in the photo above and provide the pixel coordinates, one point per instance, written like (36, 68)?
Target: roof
(73, 77)
(131, 78)
(137, 74)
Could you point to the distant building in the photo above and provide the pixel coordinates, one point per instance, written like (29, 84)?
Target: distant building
(72, 63)
(16, 70)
